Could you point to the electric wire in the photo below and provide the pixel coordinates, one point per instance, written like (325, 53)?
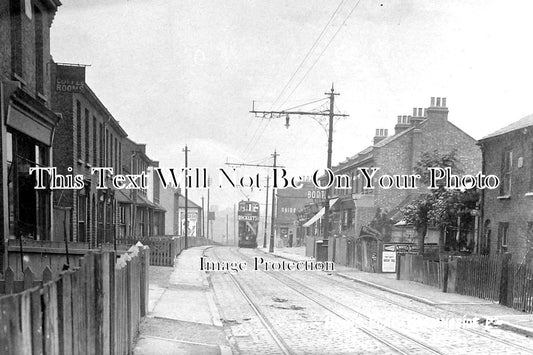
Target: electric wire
(323, 51)
(308, 53)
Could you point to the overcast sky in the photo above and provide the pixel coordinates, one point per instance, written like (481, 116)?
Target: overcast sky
(186, 72)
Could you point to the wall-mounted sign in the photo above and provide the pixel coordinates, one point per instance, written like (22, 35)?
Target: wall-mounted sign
(70, 78)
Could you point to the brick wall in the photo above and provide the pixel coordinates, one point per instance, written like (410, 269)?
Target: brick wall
(517, 210)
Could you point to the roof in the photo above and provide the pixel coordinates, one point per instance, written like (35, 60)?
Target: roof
(367, 152)
(181, 202)
(521, 123)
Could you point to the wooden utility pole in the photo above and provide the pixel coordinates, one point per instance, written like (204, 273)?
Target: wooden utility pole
(203, 218)
(227, 231)
(271, 246)
(266, 215)
(208, 217)
(331, 115)
(234, 224)
(186, 150)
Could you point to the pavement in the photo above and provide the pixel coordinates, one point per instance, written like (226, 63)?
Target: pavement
(183, 317)
(465, 306)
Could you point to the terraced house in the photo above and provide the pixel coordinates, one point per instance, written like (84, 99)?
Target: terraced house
(428, 129)
(27, 122)
(507, 212)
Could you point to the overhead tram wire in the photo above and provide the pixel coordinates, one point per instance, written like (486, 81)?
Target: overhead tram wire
(308, 53)
(291, 108)
(323, 51)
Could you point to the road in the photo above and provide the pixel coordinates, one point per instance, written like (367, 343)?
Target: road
(317, 312)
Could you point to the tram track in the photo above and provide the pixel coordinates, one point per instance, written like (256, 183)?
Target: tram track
(414, 346)
(276, 337)
(418, 311)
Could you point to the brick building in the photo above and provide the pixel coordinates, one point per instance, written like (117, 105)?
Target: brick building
(140, 213)
(27, 120)
(88, 136)
(355, 208)
(288, 203)
(507, 212)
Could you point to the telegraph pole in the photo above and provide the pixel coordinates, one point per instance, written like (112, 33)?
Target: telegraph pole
(208, 188)
(266, 216)
(234, 224)
(186, 150)
(203, 217)
(271, 246)
(331, 115)
(332, 95)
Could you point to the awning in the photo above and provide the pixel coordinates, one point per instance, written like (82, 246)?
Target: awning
(319, 214)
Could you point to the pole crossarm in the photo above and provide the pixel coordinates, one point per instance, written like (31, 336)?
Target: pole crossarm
(256, 165)
(303, 113)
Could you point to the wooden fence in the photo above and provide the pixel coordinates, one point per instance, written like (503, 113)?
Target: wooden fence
(479, 276)
(164, 249)
(492, 277)
(415, 268)
(94, 309)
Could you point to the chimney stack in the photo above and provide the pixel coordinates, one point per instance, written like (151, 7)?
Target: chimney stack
(417, 116)
(381, 134)
(438, 110)
(403, 123)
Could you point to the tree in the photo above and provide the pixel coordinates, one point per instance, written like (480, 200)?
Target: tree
(441, 208)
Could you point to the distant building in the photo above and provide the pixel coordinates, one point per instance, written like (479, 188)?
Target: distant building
(507, 212)
(195, 217)
(28, 122)
(288, 204)
(140, 214)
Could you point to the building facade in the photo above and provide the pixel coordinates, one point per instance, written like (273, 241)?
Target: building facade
(195, 217)
(355, 209)
(140, 212)
(507, 212)
(28, 122)
(87, 137)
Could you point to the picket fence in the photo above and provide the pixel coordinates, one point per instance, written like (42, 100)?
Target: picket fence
(164, 249)
(95, 308)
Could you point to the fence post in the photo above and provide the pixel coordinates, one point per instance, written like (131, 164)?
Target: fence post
(445, 276)
(504, 284)
(398, 266)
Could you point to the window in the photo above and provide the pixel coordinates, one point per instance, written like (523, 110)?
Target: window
(529, 242)
(82, 214)
(39, 51)
(531, 168)
(503, 228)
(95, 139)
(78, 129)
(102, 144)
(16, 37)
(506, 170)
(87, 136)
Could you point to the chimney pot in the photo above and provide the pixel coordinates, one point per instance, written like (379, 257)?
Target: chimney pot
(414, 112)
(432, 102)
(438, 101)
(420, 110)
(399, 119)
(443, 102)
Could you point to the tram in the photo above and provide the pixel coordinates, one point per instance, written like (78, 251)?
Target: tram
(248, 218)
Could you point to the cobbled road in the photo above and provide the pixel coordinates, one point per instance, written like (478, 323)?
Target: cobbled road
(316, 312)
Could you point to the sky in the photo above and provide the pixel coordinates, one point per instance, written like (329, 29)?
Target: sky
(177, 73)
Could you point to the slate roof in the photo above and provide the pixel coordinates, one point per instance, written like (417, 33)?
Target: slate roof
(521, 123)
